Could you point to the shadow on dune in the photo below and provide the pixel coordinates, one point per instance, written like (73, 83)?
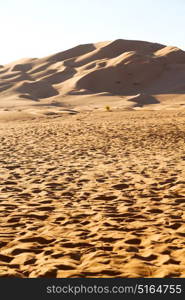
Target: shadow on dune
(53, 104)
(40, 68)
(142, 100)
(22, 67)
(4, 87)
(73, 52)
(37, 90)
(60, 77)
(151, 78)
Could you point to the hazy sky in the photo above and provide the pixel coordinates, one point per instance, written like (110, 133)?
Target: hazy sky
(38, 28)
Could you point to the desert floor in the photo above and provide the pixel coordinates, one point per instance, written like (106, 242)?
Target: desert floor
(96, 194)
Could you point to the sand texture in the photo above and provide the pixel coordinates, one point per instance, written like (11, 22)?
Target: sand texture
(98, 194)
(136, 74)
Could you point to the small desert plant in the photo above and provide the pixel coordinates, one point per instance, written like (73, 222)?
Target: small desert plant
(107, 107)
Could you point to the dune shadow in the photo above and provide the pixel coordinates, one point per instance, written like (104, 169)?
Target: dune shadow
(53, 104)
(72, 52)
(37, 90)
(136, 78)
(5, 87)
(41, 68)
(60, 77)
(143, 99)
(22, 67)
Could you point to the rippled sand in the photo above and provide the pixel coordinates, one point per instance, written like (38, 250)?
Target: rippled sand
(93, 195)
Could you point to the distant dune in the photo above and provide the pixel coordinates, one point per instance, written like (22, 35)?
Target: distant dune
(136, 74)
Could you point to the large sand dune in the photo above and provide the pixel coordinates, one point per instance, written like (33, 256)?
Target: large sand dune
(121, 73)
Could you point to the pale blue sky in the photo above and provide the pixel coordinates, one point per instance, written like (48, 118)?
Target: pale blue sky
(39, 28)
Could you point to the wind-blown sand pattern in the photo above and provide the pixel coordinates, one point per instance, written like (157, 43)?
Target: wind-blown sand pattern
(98, 194)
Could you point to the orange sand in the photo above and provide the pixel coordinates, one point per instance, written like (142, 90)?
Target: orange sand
(98, 194)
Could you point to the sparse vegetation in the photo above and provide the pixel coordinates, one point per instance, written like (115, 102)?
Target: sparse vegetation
(107, 107)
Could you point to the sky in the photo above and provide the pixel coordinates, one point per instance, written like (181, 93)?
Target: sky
(38, 28)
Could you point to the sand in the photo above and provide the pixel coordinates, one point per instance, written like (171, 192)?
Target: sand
(87, 192)
(94, 194)
(125, 74)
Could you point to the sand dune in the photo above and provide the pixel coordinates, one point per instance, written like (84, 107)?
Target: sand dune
(93, 195)
(119, 69)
